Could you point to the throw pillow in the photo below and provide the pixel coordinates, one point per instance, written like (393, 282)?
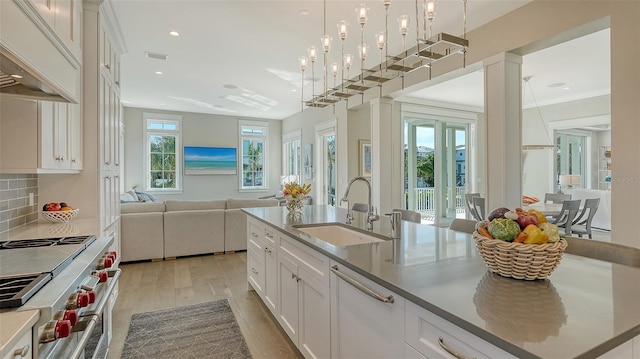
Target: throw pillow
(146, 197)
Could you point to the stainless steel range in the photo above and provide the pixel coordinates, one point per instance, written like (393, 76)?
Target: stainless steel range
(72, 281)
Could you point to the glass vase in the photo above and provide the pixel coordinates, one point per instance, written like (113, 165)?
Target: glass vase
(294, 207)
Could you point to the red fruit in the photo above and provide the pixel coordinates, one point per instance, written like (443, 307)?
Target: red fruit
(53, 206)
(526, 218)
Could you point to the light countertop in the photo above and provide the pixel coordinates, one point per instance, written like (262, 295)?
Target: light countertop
(13, 325)
(584, 309)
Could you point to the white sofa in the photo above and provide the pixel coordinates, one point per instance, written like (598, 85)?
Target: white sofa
(181, 228)
(142, 231)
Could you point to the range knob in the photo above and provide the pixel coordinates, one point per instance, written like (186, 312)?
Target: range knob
(92, 296)
(70, 315)
(55, 329)
(105, 262)
(113, 254)
(77, 300)
(103, 276)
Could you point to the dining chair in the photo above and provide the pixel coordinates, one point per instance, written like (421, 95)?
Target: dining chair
(407, 215)
(582, 223)
(606, 251)
(567, 215)
(556, 197)
(360, 207)
(478, 206)
(463, 225)
(469, 200)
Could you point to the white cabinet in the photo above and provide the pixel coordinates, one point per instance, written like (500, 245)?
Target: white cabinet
(304, 299)
(262, 262)
(40, 136)
(44, 38)
(435, 337)
(293, 282)
(367, 320)
(22, 349)
(60, 137)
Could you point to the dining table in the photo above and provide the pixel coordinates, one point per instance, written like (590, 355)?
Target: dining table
(548, 209)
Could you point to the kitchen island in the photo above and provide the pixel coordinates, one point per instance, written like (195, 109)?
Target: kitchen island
(585, 309)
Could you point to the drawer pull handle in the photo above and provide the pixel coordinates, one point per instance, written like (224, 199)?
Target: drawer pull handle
(21, 353)
(254, 271)
(449, 350)
(366, 290)
(269, 235)
(254, 235)
(267, 250)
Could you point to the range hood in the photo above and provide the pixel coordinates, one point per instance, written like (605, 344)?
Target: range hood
(15, 80)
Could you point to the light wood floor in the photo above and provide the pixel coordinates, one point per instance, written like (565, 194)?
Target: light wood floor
(149, 286)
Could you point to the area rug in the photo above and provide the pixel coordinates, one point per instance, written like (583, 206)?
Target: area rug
(206, 330)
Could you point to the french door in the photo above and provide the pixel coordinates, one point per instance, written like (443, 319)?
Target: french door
(436, 167)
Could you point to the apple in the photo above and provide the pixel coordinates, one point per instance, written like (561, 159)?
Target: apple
(526, 218)
(53, 206)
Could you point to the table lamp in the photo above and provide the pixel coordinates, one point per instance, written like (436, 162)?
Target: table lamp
(569, 180)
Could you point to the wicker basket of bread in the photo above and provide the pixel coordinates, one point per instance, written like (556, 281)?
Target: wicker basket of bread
(519, 244)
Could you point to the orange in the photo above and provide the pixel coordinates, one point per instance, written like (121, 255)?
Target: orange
(66, 208)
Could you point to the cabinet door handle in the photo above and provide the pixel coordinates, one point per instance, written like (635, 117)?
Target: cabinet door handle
(21, 353)
(449, 350)
(364, 289)
(267, 250)
(254, 235)
(254, 270)
(294, 276)
(269, 235)
(73, 160)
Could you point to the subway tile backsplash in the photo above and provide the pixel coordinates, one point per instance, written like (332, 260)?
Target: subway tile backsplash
(15, 210)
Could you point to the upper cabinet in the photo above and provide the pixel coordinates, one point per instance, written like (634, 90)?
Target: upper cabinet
(51, 140)
(43, 38)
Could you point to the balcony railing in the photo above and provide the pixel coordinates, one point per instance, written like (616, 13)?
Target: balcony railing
(425, 199)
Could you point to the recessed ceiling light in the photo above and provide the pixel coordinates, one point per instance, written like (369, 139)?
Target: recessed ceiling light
(158, 72)
(304, 12)
(16, 76)
(174, 33)
(230, 86)
(566, 88)
(294, 90)
(557, 84)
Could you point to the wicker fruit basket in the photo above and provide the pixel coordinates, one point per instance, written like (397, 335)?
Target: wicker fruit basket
(518, 260)
(60, 216)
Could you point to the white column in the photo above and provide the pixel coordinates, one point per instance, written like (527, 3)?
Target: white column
(386, 171)
(503, 139)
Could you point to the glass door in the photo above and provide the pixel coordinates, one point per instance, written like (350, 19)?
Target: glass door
(436, 162)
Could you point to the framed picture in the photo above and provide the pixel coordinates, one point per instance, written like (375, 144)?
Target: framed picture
(210, 160)
(307, 161)
(364, 150)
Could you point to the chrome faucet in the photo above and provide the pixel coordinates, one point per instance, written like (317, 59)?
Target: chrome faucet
(371, 216)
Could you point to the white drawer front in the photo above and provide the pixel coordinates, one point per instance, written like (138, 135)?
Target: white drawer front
(313, 262)
(424, 330)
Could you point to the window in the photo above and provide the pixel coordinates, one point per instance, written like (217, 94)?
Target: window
(162, 152)
(254, 147)
(292, 156)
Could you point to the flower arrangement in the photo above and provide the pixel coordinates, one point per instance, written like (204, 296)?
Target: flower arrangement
(294, 194)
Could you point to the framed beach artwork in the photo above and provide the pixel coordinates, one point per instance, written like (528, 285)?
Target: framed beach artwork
(307, 161)
(364, 150)
(210, 160)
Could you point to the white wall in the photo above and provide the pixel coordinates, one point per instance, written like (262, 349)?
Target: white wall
(200, 130)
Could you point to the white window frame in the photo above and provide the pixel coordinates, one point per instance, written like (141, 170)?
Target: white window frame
(162, 118)
(246, 125)
(287, 140)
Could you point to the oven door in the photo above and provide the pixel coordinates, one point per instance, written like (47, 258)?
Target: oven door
(90, 337)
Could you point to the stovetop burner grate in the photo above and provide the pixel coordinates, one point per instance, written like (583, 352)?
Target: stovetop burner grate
(16, 290)
(47, 242)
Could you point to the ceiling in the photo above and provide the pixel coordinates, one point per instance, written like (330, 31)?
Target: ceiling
(240, 58)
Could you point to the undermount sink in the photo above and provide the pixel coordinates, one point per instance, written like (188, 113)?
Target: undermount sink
(338, 235)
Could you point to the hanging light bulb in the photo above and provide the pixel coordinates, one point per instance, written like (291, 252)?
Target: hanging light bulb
(403, 27)
(348, 60)
(303, 63)
(334, 71)
(380, 40)
(326, 43)
(343, 29)
(362, 12)
(429, 8)
(364, 51)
